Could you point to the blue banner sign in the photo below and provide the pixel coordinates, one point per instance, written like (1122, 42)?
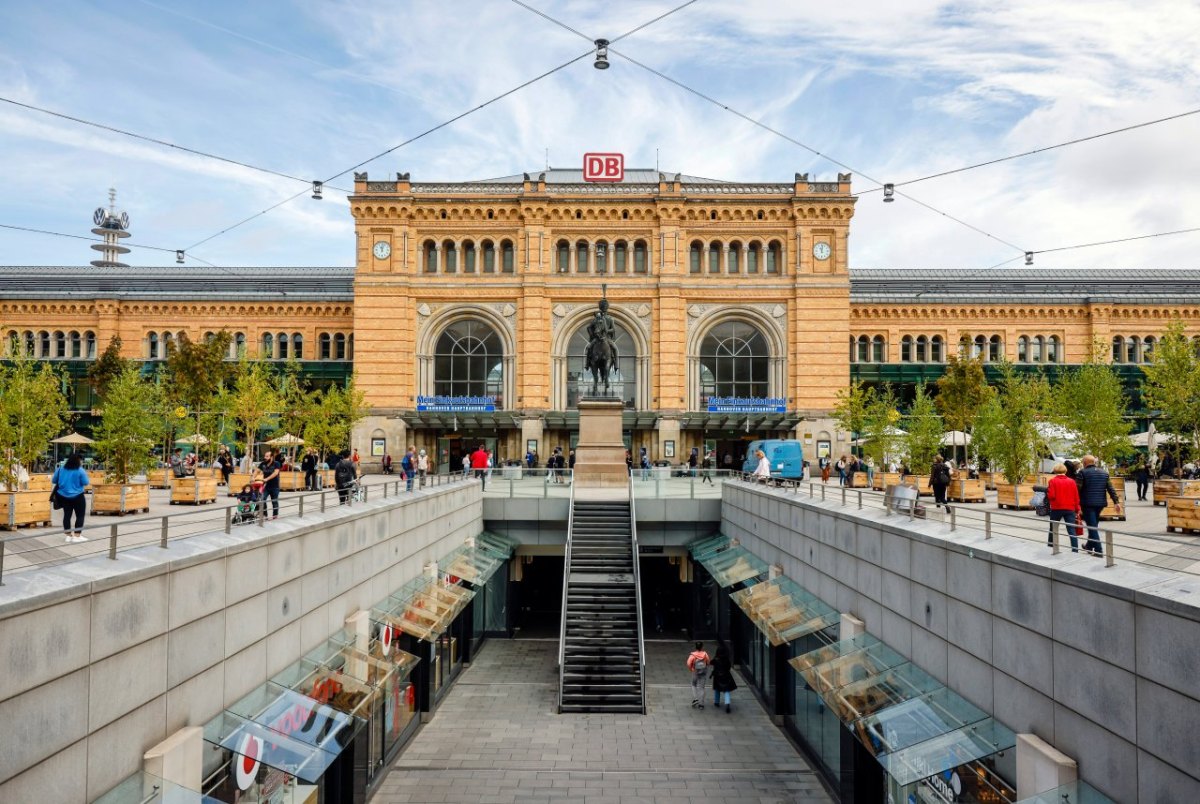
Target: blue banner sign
(456, 404)
(747, 404)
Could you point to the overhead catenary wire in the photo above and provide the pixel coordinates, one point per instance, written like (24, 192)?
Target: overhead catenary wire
(101, 240)
(1036, 151)
(164, 143)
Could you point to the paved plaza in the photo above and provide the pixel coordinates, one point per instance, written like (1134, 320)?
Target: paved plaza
(497, 738)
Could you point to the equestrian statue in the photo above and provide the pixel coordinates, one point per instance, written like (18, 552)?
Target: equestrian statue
(602, 353)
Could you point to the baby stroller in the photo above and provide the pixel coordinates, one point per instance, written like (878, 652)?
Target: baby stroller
(248, 499)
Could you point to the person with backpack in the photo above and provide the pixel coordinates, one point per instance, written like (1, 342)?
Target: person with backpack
(722, 678)
(697, 664)
(408, 464)
(344, 477)
(939, 479)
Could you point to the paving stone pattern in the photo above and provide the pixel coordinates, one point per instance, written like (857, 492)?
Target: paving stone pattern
(497, 738)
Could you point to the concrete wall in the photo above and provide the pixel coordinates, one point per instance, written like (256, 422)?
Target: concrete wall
(100, 660)
(533, 520)
(1103, 663)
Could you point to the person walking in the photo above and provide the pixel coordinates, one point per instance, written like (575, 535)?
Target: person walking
(826, 465)
(841, 470)
(69, 482)
(1141, 476)
(466, 464)
(225, 463)
(309, 465)
(387, 463)
(480, 460)
(270, 468)
(422, 466)
(644, 463)
(1096, 485)
(939, 479)
(344, 477)
(1063, 495)
(693, 459)
(707, 466)
(722, 678)
(697, 664)
(355, 459)
(408, 464)
(762, 470)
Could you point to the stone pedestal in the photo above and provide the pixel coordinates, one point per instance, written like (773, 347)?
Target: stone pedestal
(600, 454)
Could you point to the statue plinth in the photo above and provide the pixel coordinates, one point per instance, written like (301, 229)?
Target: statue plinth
(600, 454)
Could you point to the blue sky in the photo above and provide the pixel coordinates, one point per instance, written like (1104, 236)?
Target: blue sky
(896, 90)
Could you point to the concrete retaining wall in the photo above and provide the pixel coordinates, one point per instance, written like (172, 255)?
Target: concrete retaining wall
(532, 520)
(100, 660)
(1103, 663)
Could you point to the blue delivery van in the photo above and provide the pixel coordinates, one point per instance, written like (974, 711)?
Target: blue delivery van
(785, 455)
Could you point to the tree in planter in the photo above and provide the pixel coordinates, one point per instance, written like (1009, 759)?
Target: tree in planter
(879, 435)
(33, 410)
(850, 412)
(107, 367)
(253, 401)
(962, 392)
(126, 434)
(197, 372)
(332, 418)
(923, 440)
(1090, 402)
(1006, 427)
(1172, 386)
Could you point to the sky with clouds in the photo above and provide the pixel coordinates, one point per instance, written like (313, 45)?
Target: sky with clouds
(894, 90)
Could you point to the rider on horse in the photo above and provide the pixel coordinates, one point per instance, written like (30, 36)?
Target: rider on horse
(601, 330)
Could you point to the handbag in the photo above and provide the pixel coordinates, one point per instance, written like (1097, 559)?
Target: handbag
(55, 500)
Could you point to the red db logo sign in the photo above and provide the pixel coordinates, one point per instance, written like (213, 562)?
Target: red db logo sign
(603, 167)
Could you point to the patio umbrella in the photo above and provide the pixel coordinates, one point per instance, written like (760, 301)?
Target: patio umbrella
(74, 439)
(193, 440)
(1151, 439)
(286, 440)
(956, 438)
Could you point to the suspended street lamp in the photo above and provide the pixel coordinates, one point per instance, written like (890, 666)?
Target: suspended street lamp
(179, 256)
(317, 186)
(889, 191)
(1029, 258)
(601, 54)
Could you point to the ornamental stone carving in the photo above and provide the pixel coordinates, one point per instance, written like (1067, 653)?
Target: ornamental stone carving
(423, 310)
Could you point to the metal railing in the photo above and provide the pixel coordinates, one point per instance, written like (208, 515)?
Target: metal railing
(514, 481)
(562, 625)
(1145, 549)
(637, 592)
(140, 531)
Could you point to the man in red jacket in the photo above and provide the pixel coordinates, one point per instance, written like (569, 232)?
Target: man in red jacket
(479, 465)
(1064, 503)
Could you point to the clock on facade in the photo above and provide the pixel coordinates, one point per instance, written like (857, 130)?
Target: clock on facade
(821, 251)
(382, 249)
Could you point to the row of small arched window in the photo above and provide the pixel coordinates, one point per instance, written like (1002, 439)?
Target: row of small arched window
(272, 346)
(931, 349)
(1136, 349)
(57, 345)
(466, 257)
(734, 258)
(601, 257)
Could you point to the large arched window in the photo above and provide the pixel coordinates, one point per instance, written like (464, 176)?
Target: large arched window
(508, 257)
(324, 347)
(1148, 349)
(89, 344)
(937, 352)
(489, 257)
(878, 349)
(922, 349)
(449, 257)
(1053, 349)
(268, 347)
(863, 353)
(621, 257)
(995, 349)
(714, 258)
(283, 341)
(1118, 349)
(753, 257)
(44, 344)
(468, 360)
(582, 263)
(339, 347)
(1133, 348)
(151, 346)
(979, 347)
(1037, 349)
(76, 345)
(734, 361)
(696, 256)
(906, 349)
(430, 260)
(1023, 349)
(468, 256)
(735, 257)
(774, 257)
(641, 263)
(625, 374)
(297, 346)
(564, 257)
(60, 345)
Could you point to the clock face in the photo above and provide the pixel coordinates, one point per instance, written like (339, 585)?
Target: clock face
(382, 249)
(821, 251)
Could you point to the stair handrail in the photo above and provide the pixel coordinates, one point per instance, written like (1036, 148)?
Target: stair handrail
(637, 592)
(562, 625)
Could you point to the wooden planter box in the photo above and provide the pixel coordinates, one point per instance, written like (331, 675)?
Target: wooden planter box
(236, 481)
(291, 481)
(1163, 489)
(159, 478)
(966, 490)
(1001, 480)
(1183, 514)
(989, 480)
(1014, 497)
(96, 477)
(1110, 511)
(858, 480)
(40, 483)
(885, 479)
(194, 490)
(922, 484)
(120, 498)
(20, 509)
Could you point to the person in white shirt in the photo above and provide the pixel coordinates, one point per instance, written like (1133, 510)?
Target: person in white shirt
(762, 472)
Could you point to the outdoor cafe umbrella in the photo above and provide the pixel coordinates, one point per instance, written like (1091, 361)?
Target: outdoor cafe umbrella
(74, 439)
(286, 440)
(955, 439)
(192, 440)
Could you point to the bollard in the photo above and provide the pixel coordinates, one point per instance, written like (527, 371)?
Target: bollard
(1, 562)
(1054, 538)
(843, 495)
(228, 518)
(162, 539)
(300, 509)
(953, 522)
(510, 488)
(322, 502)
(385, 491)
(860, 499)
(692, 487)
(112, 541)
(1109, 561)
(262, 516)
(822, 494)
(987, 524)
(366, 491)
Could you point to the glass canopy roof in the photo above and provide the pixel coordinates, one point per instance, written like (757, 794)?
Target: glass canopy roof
(424, 607)
(727, 561)
(784, 610)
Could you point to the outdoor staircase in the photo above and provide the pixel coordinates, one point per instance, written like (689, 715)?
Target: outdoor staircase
(601, 646)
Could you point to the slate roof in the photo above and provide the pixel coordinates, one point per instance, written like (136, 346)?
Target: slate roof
(176, 283)
(1026, 286)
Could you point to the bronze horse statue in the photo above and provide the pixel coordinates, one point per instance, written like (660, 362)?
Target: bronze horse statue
(601, 359)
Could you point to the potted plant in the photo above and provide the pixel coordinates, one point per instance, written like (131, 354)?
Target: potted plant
(252, 402)
(332, 417)
(1006, 433)
(33, 410)
(1172, 387)
(922, 440)
(125, 440)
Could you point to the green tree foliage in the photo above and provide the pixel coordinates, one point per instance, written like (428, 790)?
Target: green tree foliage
(1172, 385)
(131, 422)
(332, 417)
(197, 372)
(879, 431)
(1006, 428)
(1090, 401)
(33, 410)
(253, 401)
(107, 367)
(853, 403)
(923, 439)
(962, 392)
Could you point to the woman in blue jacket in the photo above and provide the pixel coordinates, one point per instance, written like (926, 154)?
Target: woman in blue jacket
(70, 481)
